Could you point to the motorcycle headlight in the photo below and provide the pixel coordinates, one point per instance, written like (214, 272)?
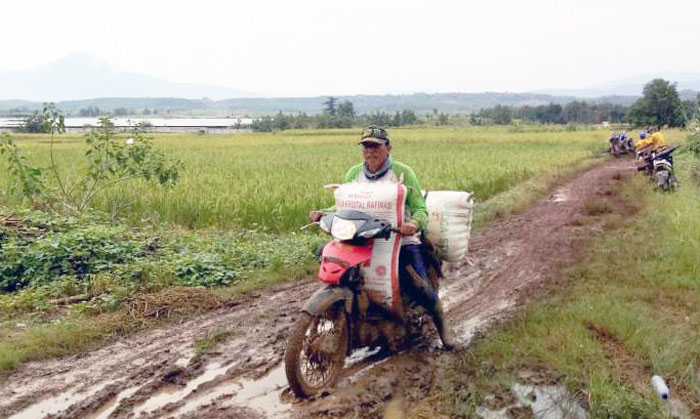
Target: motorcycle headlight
(343, 229)
(370, 233)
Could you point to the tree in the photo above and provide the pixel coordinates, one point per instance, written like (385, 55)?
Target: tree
(90, 111)
(396, 120)
(502, 115)
(330, 107)
(346, 109)
(660, 105)
(408, 117)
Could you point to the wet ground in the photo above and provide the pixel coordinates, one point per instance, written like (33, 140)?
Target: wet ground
(157, 374)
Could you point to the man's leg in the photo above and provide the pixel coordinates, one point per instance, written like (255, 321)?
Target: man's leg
(421, 289)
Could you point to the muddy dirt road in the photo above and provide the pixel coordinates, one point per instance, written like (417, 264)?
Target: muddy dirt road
(156, 373)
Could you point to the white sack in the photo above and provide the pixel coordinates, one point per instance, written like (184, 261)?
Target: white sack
(384, 200)
(449, 222)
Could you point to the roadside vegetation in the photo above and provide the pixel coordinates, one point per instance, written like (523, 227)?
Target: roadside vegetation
(627, 312)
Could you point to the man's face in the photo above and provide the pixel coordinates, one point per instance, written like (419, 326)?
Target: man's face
(375, 155)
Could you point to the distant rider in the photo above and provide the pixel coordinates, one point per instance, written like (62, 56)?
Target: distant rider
(654, 140)
(378, 166)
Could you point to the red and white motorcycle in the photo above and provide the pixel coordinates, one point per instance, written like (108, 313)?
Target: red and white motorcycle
(361, 303)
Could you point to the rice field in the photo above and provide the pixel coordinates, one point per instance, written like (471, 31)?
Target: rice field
(271, 180)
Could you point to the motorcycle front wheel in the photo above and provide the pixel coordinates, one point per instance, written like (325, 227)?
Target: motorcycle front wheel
(316, 350)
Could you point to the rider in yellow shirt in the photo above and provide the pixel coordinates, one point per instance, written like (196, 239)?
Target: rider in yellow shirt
(655, 140)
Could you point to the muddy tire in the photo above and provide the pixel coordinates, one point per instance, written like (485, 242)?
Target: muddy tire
(316, 351)
(663, 181)
(615, 150)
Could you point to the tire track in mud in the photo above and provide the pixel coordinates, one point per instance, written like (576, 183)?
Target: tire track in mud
(157, 373)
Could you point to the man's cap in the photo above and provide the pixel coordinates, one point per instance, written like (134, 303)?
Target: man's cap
(374, 135)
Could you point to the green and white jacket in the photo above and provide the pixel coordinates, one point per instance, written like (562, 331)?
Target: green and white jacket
(416, 211)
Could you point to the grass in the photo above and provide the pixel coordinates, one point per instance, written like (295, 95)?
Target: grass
(272, 180)
(204, 345)
(629, 311)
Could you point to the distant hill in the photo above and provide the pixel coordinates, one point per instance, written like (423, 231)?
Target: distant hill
(420, 102)
(631, 86)
(80, 76)
(90, 83)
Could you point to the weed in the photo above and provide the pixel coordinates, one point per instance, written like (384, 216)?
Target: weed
(219, 335)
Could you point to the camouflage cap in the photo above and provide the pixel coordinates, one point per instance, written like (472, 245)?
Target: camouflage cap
(374, 134)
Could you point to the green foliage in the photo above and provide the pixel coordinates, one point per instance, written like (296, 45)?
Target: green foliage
(329, 106)
(693, 140)
(659, 106)
(48, 249)
(48, 121)
(26, 178)
(336, 115)
(40, 253)
(219, 335)
(346, 109)
(112, 160)
(91, 111)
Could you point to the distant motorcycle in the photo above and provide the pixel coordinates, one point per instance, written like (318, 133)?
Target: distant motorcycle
(663, 172)
(620, 143)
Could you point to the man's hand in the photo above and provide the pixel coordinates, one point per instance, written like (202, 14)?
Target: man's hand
(314, 216)
(408, 228)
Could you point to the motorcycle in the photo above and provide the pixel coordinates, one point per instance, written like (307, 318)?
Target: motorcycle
(663, 173)
(645, 160)
(343, 315)
(620, 144)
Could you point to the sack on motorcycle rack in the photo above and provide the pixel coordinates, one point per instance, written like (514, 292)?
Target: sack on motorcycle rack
(449, 222)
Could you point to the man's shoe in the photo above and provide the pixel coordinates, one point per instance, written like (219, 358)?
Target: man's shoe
(443, 329)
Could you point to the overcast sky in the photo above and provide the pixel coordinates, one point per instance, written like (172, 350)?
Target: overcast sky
(319, 47)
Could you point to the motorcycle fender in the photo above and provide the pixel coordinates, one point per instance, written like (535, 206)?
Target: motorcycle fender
(325, 297)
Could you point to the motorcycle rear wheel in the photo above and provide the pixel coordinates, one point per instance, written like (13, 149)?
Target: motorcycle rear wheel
(316, 351)
(663, 180)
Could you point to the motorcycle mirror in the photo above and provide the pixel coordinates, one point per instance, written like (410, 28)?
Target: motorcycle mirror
(309, 225)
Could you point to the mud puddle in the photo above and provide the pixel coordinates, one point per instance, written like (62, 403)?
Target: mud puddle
(171, 393)
(109, 407)
(55, 404)
(540, 402)
(156, 374)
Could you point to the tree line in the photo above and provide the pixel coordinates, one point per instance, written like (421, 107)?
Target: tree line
(659, 105)
(336, 114)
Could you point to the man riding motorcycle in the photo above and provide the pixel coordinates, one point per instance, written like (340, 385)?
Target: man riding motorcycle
(378, 166)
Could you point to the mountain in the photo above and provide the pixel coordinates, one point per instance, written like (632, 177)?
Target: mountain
(631, 86)
(419, 102)
(81, 76)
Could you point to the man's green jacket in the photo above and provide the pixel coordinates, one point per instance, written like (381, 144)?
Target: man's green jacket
(415, 204)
